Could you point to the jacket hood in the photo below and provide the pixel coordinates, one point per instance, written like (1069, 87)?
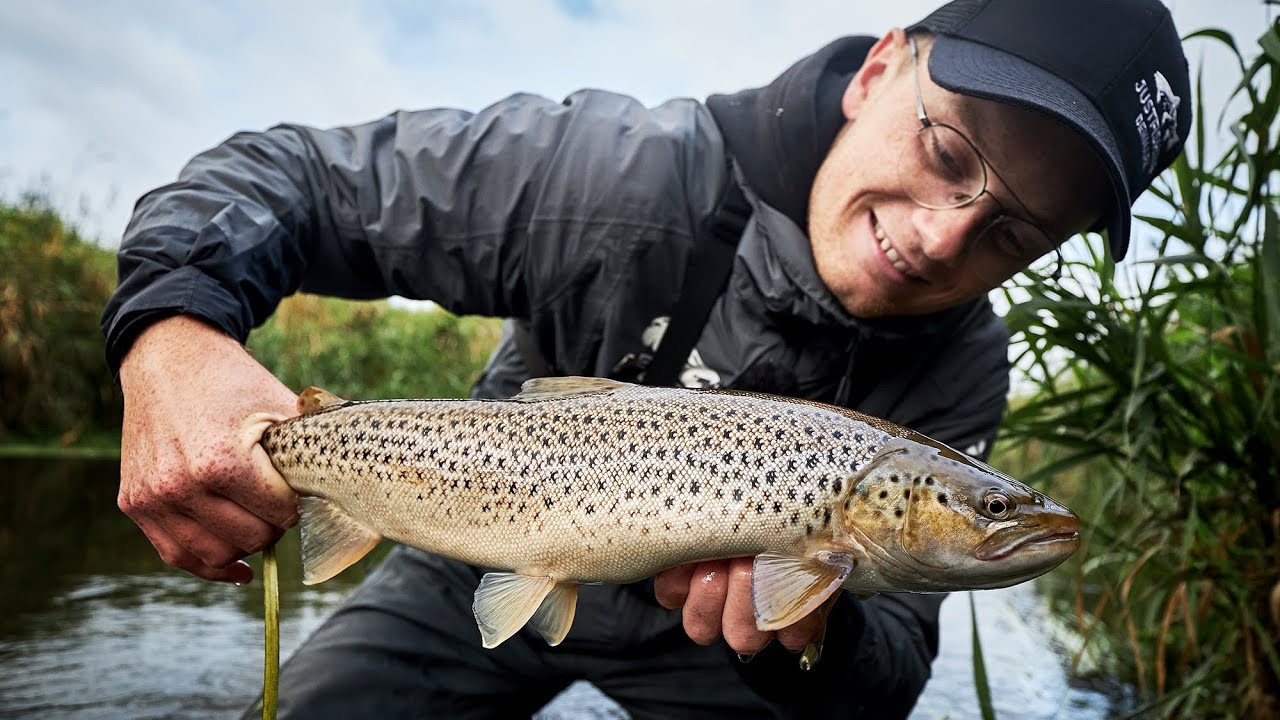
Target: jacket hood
(780, 133)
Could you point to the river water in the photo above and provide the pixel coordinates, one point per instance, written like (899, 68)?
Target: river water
(92, 625)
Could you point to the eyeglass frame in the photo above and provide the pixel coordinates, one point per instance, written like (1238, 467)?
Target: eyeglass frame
(926, 123)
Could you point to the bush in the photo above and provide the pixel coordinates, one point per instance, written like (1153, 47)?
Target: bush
(54, 381)
(1158, 390)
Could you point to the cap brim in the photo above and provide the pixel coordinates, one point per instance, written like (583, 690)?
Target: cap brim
(974, 69)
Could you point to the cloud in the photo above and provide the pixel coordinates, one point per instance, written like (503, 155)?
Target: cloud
(104, 101)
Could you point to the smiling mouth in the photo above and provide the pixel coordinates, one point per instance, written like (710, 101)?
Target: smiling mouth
(890, 252)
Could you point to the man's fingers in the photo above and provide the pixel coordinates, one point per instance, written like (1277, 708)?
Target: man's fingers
(739, 620)
(235, 525)
(705, 605)
(198, 540)
(272, 499)
(173, 554)
(796, 637)
(671, 587)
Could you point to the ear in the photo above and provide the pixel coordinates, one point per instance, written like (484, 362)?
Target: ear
(880, 65)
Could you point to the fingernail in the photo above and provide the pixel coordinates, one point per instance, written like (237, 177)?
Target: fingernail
(745, 657)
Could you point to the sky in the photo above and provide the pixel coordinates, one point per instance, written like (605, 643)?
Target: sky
(101, 102)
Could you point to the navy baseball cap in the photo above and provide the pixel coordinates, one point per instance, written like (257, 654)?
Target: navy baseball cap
(1112, 70)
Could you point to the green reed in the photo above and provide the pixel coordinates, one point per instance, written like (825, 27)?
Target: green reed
(1153, 412)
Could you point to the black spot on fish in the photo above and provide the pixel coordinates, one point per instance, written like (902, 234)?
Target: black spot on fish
(928, 480)
(826, 517)
(835, 486)
(808, 498)
(737, 494)
(777, 506)
(893, 478)
(771, 477)
(897, 512)
(942, 498)
(669, 502)
(812, 462)
(884, 494)
(591, 509)
(906, 494)
(630, 493)
(822, 483)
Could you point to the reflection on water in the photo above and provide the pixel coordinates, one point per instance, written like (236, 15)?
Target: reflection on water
(92, 625)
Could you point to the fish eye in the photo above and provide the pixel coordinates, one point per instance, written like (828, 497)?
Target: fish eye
(996, 505)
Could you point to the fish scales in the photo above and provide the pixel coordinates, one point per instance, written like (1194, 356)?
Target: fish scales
(582, 488)
(583, 480)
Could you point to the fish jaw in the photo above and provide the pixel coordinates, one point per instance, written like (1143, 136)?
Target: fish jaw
(931, 523)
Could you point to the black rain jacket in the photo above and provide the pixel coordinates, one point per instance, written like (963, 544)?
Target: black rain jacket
(577, 218)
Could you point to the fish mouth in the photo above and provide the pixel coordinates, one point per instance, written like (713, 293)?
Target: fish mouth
(1004, 543)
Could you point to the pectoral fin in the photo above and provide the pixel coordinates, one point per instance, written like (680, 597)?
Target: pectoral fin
(332, 540)
(505, 601)
(555, 615)
(785, 588)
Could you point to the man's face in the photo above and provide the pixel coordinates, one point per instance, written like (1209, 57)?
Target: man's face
(860, 204)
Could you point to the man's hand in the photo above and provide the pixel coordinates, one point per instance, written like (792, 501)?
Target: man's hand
(716, 597)
(192, 475)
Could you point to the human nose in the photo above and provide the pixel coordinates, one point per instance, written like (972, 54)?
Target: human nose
(945, 233)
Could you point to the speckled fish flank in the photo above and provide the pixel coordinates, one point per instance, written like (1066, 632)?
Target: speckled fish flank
(589, 480)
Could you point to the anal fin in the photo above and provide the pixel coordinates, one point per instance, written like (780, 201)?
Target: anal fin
(785, 588)
(555, 615)
(332, 540)
(505, 601)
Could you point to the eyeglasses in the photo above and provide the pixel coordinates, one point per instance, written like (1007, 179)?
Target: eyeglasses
(942, 169)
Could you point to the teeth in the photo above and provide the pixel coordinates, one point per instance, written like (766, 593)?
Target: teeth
(890, 252)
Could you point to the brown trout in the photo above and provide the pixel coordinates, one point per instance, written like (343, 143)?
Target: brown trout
(587, 480)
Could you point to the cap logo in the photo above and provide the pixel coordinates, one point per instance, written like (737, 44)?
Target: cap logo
(1157, 120)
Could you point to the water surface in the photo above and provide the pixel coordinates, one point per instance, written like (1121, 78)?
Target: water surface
(93, 625)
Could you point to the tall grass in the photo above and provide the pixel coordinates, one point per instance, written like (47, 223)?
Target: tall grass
(53, 284)
(1155, 394)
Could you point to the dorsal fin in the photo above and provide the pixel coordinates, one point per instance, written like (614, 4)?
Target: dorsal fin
(313, 399)
(555, 388)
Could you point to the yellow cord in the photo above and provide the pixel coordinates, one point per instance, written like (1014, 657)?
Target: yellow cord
(271, 623)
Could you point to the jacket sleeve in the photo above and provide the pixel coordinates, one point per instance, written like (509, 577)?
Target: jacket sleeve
(433, 204)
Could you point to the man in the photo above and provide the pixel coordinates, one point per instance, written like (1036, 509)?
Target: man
(890, 184)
